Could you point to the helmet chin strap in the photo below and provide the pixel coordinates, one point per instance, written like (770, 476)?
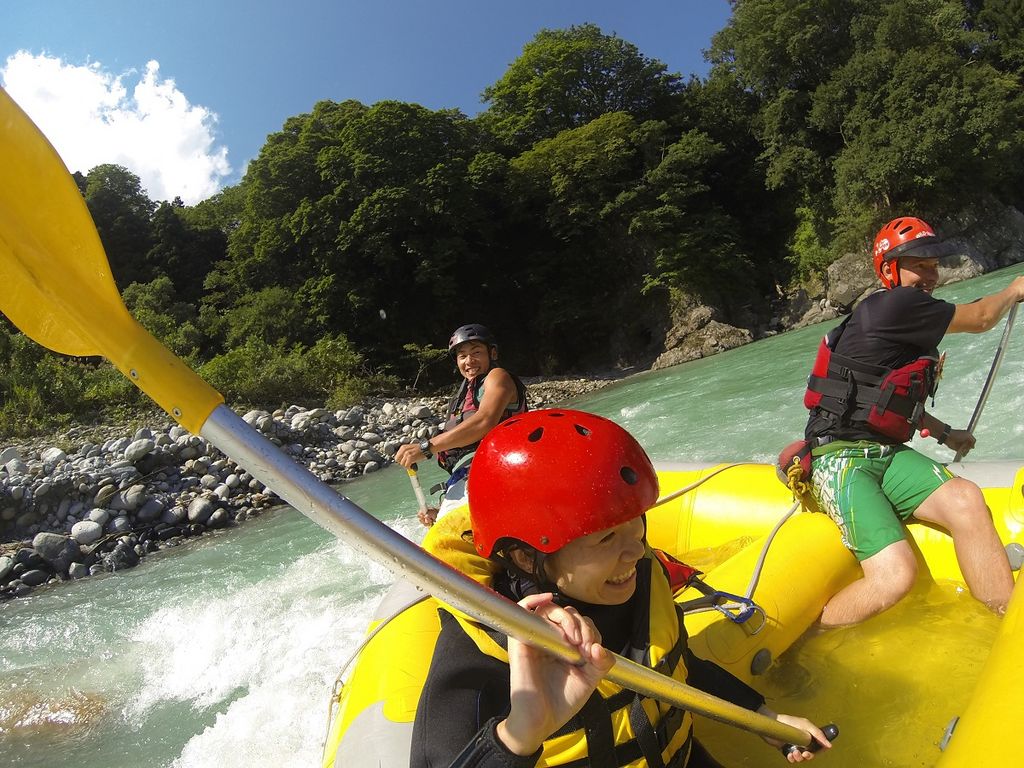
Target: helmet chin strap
(894, 273)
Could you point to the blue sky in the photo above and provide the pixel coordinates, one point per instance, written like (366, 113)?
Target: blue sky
(185, 93)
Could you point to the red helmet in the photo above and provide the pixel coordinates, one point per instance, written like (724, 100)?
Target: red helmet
(905, 236)
(550, 476)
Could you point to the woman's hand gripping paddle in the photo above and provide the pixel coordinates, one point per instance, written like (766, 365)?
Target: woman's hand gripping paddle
(58, 289)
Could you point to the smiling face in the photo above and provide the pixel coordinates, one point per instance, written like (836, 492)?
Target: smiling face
(474, 358)
(917, 272)
(600, 568)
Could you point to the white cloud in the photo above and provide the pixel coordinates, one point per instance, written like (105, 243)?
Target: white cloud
(92, 117)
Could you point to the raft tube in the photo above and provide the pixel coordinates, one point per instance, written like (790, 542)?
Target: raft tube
(726, 514)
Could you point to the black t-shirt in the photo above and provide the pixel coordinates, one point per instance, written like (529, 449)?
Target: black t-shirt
(890, 328)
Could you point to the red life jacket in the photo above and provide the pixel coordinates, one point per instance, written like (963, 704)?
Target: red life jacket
(466, 401)
(890, 401)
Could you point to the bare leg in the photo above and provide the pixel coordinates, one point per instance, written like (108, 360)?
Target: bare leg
(959, 506)
(888, 576)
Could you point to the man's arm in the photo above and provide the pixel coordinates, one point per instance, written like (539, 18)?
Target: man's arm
(982, 315)
(959, 440)
(499, 391)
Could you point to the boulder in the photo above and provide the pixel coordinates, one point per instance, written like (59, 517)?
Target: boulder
(86, 532)
(57, 550)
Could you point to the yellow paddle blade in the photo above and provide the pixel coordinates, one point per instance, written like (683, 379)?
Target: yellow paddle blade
(55, 282)
(45, 228)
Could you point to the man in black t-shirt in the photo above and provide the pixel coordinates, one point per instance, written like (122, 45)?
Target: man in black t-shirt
(866, 396)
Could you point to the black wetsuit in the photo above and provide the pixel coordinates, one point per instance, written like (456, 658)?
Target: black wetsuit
(467, 692)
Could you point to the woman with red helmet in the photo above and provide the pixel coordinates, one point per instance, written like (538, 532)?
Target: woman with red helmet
(557, 504)
(866, 396)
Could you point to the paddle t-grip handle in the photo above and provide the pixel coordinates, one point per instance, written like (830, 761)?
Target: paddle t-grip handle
(831, 732)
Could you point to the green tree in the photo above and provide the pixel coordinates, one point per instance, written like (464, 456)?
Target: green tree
(183, 251)
(876, 106)
(158, 306)
(566, 78)
(122, 212)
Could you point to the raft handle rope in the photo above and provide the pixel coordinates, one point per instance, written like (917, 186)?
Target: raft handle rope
(742, 607)
(339, 684)
(701, 481)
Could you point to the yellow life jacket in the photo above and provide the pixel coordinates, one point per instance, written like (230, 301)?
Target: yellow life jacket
(617, 728)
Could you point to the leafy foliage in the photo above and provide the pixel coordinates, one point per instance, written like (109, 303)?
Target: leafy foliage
(593, 188)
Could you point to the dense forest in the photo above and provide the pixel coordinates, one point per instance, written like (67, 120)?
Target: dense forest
(592, 191)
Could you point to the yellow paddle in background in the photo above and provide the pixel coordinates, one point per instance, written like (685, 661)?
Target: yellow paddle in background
(56, 286)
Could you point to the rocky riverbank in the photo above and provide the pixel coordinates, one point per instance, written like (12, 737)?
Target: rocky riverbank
(98, 499)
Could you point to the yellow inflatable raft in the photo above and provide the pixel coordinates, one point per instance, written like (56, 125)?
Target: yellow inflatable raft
(720, 522)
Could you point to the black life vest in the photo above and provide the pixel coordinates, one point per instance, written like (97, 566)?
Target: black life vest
(466, 401)
(890, 401)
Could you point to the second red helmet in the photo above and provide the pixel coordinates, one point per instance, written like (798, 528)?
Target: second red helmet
(551, 476)
(905, 236)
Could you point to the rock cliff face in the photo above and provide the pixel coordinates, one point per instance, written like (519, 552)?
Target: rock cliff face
(696, 331)
(987, 237)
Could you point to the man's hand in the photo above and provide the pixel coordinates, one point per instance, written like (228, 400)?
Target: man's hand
(409, 454)
(961, 441)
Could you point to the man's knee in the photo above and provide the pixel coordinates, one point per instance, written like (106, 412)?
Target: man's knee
(891, 572)
(958, 503)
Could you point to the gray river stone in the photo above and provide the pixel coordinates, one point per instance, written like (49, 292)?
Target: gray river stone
(6, 564)
(57, 550)
(78, 570)
(35, 577)
(150, 511)
(52, 456)
(174, 515)
(119, 525)
(104, 495)
(86, 532)
(139, 448)
(200, 509)
(98, 515)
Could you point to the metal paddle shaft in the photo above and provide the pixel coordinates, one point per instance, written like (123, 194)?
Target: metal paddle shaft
(59, 290)
(996, 362)
(416, 487)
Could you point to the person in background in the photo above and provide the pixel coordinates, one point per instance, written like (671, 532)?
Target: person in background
(487, 396)
(866, 396)
(557, 503)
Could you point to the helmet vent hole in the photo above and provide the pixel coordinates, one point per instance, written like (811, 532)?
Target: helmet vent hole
(534, 436)
(582, 430)
(629, 475)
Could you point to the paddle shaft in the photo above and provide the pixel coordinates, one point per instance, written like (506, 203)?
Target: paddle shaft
(322, 504)
(416, 487)
(992, 371)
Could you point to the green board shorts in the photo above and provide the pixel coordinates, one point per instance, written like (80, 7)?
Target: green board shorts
(870, 490)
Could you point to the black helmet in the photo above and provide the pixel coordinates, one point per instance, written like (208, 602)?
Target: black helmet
(471, 332)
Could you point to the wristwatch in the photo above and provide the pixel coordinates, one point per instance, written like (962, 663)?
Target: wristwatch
(425, 448)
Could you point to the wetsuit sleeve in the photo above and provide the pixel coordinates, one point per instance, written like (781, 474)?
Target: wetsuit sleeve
(464, 690)
(711, 678)
(487, 751)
